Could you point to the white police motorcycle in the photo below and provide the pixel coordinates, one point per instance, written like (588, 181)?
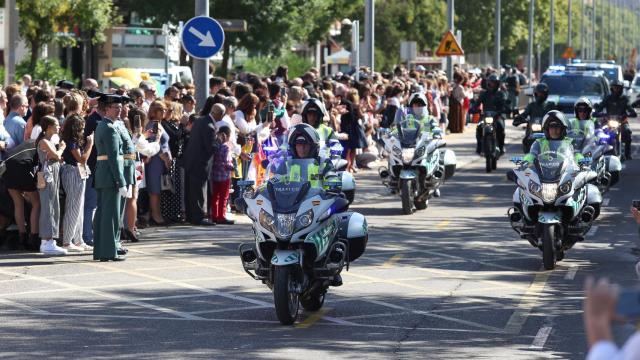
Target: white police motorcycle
(417, 164)
(303, 235)
(555, 204)
(604, 163)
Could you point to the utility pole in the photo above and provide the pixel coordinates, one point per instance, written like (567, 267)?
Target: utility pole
(570, 34)
(582, 29)
(602, 29)
(593, 31)
(498, 32)
(201, 66)
(10, 41)
(355, 47)
(552, 34)
(369, 24)
(609, 27)
(450, 14)
(532, 6)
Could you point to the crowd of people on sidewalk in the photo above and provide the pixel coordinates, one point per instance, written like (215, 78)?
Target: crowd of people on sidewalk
(185, 163)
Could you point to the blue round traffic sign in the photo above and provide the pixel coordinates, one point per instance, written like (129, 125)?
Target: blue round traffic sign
(202, 37)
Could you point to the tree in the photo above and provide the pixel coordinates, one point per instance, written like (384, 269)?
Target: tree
(40, 20)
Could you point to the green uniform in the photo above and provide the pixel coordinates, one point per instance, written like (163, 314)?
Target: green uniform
(109, 177)
(542, 146)
(325, 133)
(129, 169)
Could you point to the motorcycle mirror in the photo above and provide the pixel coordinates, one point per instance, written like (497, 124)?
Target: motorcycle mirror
(341, 204)
(240, 204)
(511, 176)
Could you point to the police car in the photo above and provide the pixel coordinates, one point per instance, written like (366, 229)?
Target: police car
(567, 85)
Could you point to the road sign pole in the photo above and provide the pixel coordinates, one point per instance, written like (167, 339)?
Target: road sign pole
(552, 36)
(450, 12)
(498, 32)
(369, 39)
(532, 6)
(570, 34)
(201, 66)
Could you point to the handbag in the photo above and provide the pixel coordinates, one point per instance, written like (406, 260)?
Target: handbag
(166, 183)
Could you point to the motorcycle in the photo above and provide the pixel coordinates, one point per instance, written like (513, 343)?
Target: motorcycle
(333, 152)
(417, 164)
(555, 205)
(304, 236)
(534, 126)
(606, 167)
(612, 126)
(489, 140)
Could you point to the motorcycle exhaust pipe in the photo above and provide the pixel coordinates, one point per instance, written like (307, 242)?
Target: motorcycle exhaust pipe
(384, 174)
(248, 255)
(587, 214)
(516, 216)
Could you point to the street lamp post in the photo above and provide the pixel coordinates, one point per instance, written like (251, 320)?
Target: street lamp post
(201, 66)
(498, 35)
(532, 6)
(552, 34)
(450, 12)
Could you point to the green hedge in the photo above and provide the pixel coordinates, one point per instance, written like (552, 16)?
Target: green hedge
(46, 69)
(266, 66)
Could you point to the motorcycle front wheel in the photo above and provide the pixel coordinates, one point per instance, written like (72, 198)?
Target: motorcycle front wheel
(406, 194)
(549, 247)
(285, 297)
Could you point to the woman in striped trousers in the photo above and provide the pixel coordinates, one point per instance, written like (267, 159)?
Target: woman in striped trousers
(73, 174)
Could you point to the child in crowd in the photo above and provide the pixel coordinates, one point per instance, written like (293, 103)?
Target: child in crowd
(221, 177)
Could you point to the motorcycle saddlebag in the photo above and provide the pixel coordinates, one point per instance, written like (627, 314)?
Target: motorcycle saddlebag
(449, 161)
(353, 227)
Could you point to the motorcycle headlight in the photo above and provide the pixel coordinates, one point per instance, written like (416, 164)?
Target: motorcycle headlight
(420, 152)
(488, 120)
(304, 220)
(534, 188)
(565, 188)
(549, 192)
(613, 124)
(266, 220)
(284, 225)
(536, 127)
(407, 154)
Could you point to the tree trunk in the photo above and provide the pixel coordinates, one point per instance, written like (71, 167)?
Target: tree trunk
(35, 50)
(225, 57)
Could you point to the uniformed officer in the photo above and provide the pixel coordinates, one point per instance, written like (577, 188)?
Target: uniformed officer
(618, 104)
(313, 113)
(495, 100)
(534, 112)
(129, 170)
(417, 112)
(110, 182)
(555, 128)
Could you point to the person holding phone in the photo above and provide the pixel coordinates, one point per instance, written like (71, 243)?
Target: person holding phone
(601, 308)
(158, 164)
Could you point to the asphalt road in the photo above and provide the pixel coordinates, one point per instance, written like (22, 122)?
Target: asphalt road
(450, 282)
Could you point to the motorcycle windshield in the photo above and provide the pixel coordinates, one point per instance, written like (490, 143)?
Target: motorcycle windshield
(292, 181)
(409, 131)
(578, 139)
(550, 165)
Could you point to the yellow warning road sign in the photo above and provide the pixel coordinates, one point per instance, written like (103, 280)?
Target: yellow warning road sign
(449, 46)
(569, 53)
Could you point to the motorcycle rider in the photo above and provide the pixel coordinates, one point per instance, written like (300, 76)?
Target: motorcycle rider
(554, 126)
(313, 113)
(583, 123)
(618, 104)
(495, 100)
(418, 112)
(304, 143)
(538, 108)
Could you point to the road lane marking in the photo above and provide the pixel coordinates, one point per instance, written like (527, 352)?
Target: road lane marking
(592, 231)
(115, 297)
(312, 319)
(389, 263)
(24, 307)
(430, 314)
(442, 224)
(541, 338)
(571, 273)
(527, 303)
(605, 201)
(479, 198)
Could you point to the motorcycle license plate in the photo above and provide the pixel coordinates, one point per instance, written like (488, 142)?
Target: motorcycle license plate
(407, 174)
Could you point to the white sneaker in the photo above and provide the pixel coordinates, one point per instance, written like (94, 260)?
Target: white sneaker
(85, 247)
(73, 248)
(49, 247)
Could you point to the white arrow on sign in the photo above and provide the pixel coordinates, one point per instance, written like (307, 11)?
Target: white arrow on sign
(205, 40)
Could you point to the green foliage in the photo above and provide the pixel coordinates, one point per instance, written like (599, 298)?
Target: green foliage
(40, 20)
(45, 69)
(266, 65)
